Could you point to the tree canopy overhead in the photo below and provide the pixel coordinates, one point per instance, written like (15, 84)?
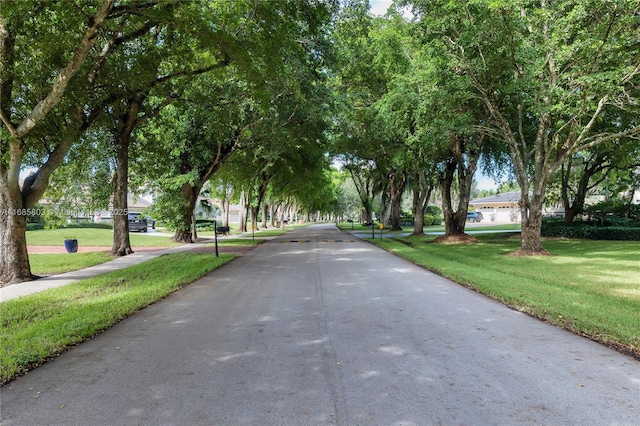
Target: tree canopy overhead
(405, 102)
(63, 65)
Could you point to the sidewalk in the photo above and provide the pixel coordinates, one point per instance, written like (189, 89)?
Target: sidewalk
(14, 291)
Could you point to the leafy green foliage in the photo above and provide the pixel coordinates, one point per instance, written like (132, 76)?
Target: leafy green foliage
(612, 208)
(589, 231)
(555, 78)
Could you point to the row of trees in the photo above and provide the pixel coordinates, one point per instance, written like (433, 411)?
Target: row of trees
(536, 88)
(257, 96)
(153, 91)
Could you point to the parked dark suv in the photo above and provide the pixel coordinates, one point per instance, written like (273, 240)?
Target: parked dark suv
(137, 222)
(474, 216)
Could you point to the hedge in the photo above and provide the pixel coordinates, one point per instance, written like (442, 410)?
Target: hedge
(589, 231)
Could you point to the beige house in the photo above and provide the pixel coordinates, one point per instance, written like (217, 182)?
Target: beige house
(499, 208)
(505, 207)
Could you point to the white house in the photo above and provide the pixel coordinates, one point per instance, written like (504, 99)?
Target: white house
(500, 207)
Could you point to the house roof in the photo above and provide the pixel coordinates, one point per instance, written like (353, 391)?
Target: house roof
(505, 197)
(137, 202)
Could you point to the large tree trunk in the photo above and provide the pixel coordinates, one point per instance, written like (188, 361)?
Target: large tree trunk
(225, 204)
(254, 217)
(421, 194)
(272, 215)
(14, 258)
(185, 233)
(224, 211)
(397, 183)
(531, 241)
(225, 215)
(591, 167)
(14, 201)
(244, 212)
(364, 188)
(464, 162)
(531, 228)
(454, 221)
(265, 211)
(418, 220)
(257, 207)
(121, 243)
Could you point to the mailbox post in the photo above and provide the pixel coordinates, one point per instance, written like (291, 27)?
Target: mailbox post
(215, 235)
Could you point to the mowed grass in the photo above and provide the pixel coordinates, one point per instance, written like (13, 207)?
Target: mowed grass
(90, 237)
(58, 263)
(261, 232)
(471, 227)
(237, 242)
(37, 327)
(589, 287)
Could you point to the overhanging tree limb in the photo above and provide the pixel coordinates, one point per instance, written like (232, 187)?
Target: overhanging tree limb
(67, 73)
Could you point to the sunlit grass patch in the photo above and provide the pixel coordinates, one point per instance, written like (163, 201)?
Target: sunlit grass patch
(57, 263)
(91, 237)
(589, 287)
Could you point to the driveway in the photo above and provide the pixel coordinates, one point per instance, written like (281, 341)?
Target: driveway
(319, 328)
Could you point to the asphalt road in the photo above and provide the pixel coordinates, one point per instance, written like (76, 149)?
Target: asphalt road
(323, 332)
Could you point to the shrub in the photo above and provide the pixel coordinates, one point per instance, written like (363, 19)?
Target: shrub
(618, 208)
(429, 219)
(435, 211)
(205, 225)
(589, 231)
(93, 225)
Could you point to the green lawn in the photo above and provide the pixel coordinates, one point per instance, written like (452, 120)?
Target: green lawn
(237, 242)
(58, 263)
(434, 228)
(94, 237)
(37, 327)
(262, 232)
(589, 287)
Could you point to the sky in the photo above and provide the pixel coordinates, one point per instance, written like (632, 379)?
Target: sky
(485, 182)
(379, 7)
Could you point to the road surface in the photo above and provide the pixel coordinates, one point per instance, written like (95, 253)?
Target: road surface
(315, 329)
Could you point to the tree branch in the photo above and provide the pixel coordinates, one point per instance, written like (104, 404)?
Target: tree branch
(67, 73)
(8, 124)
(113, 43)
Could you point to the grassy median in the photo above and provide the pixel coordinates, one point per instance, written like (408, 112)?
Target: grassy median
(36, 327)
(591, 288)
